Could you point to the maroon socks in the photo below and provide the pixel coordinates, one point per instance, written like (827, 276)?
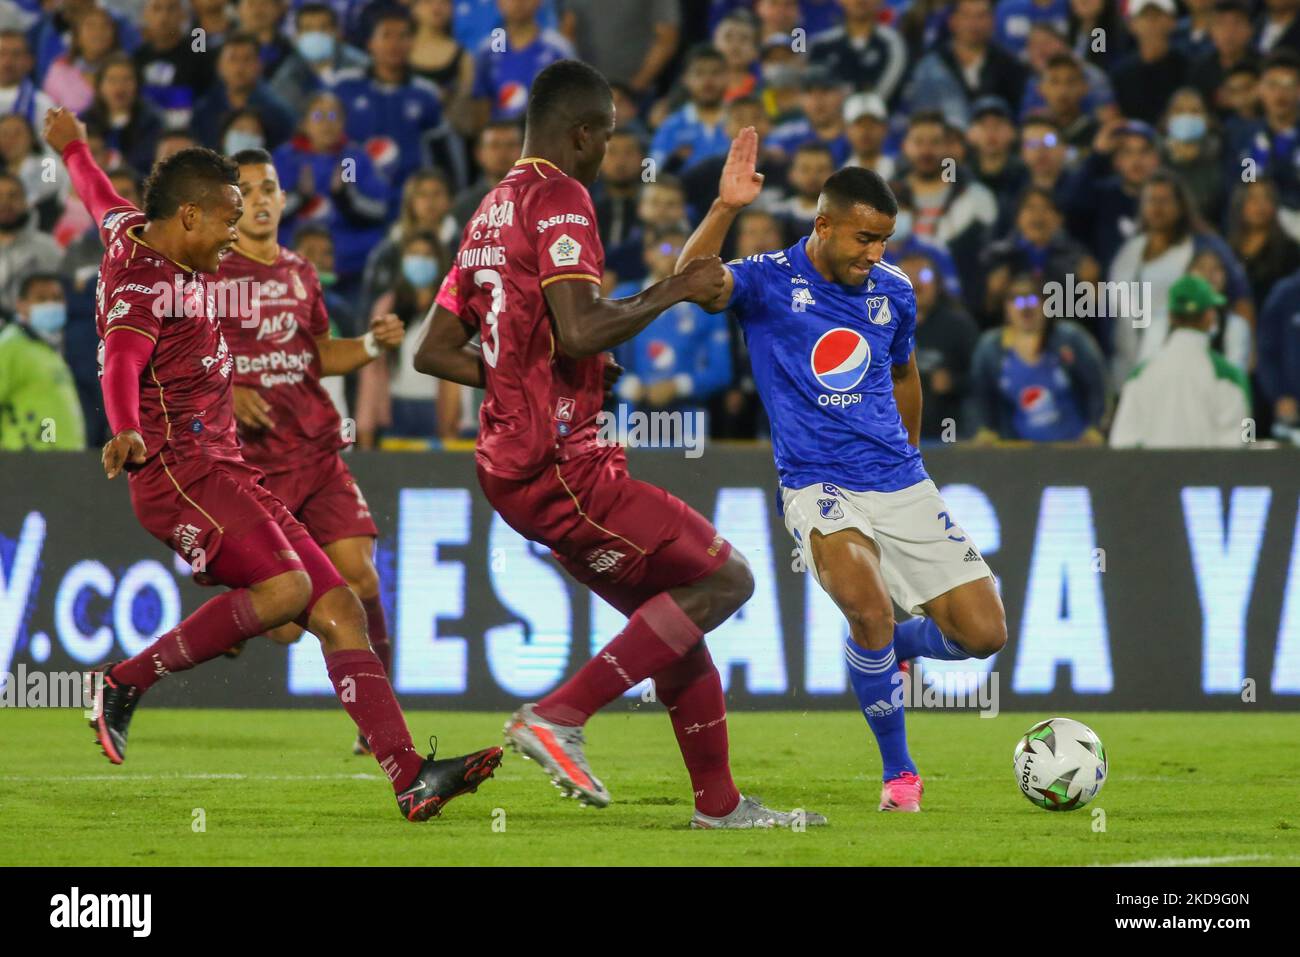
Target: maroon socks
(377, 629)
(219, 623)
(362, 687)
(658, 634)
(691, 690)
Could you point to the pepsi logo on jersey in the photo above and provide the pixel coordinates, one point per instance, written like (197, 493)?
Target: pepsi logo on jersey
(840, 359)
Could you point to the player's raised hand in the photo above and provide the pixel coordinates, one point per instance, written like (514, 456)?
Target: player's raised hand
(125, 448)
(389, 331)
(741, 183)
(704, 280)
(61, 128)
(251, 410)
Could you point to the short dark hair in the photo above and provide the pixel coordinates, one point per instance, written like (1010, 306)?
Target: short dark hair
(702, 51)
(32, 278)
(253, 157)
(927, 117)
(856, 184)
(1057, 60)
(315, 7)
(814, 148)
(192, 175)
(568, 90)
(1280, 60)
(310, 230)
(386, 12)
(509, 126)
(241, 39)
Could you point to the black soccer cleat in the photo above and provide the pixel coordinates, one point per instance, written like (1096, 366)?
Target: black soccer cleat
(440, 781)
(111, 715)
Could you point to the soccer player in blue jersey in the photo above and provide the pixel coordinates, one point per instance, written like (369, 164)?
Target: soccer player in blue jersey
(830, 329)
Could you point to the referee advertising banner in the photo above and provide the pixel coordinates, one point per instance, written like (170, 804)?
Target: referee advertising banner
(1131, 580)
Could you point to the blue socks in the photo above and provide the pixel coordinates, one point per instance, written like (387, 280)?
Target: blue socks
(920, 638)
(872, 674)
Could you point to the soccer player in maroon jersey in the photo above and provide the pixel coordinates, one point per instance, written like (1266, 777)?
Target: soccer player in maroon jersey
(167, 395)
(287, 423)
(527, 280)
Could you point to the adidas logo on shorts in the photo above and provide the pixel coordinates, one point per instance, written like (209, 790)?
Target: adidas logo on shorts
(971, 555)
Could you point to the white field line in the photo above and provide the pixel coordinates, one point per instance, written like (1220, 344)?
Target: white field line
(1190, 861)
(190, 777)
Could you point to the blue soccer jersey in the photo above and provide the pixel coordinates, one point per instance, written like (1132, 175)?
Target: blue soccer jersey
(821, 354)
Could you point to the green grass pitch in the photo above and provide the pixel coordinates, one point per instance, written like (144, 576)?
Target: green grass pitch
(281, 787)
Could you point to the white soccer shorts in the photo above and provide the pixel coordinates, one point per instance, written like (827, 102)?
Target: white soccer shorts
(923, 551)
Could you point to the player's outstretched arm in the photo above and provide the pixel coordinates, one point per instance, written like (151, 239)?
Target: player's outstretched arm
(67, 136)
(341, 356)
(739, 186)
(586, 324)
(126, 354)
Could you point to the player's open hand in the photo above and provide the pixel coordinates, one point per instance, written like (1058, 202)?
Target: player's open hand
(251, 410)
(389, 331)
(124, 449)
(741, 184)
(613, 372)
(704, 280)
(61, 128)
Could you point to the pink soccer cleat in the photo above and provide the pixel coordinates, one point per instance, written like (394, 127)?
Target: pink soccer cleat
(902, 793)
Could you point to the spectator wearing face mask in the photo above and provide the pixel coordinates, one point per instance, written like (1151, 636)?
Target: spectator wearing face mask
(242, 130)
(1186, 395)
(425, 209)
(319, 55)
(39, 409)
(1193, 149)
(393, 400)
(240, 86)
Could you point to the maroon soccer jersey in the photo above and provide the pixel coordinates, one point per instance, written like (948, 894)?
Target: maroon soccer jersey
(185, 398)
(535, 228)
(276, 354)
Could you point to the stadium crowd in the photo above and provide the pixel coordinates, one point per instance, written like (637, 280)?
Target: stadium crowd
(1093, 195)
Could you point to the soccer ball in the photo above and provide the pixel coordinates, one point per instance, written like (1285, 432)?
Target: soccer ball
(1060, 764)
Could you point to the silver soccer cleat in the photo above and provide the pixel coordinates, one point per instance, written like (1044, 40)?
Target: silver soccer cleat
(750, 814)
(558, 749)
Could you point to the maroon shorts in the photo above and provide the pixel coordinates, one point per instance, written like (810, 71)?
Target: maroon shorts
(326, 499)
(625, 540)
(226, 524)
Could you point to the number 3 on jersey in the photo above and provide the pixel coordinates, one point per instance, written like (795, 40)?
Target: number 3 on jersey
(490, 339)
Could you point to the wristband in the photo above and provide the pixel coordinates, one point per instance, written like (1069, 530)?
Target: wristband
(371, 346)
